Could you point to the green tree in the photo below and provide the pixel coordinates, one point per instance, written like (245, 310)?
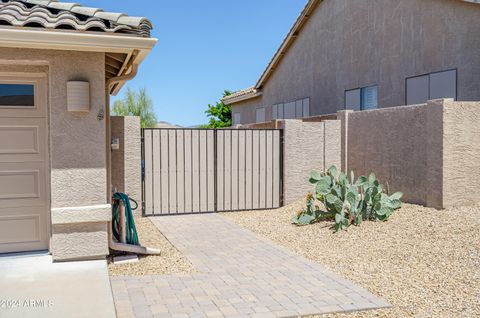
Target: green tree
(136, 104)
(220, 114)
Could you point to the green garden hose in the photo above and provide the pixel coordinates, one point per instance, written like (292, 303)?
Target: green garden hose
(131, 237)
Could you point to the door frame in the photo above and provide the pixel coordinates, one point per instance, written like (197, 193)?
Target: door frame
(40, 80)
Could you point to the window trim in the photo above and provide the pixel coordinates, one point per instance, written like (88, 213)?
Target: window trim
(428, 74)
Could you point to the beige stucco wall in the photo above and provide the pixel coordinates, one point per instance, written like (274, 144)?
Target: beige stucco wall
(349, 44)
(76, 145)
(461, 153)
(429, 152)
(307, 147)
(126, 161)
(247, 110)
(399, 145)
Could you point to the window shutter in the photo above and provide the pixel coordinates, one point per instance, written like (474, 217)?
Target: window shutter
(306, 107)
(417, 90)
(369, 98)
(443, 85)
(353, 99)
(275, 112)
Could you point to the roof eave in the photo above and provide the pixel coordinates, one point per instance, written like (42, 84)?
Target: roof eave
(76, 41)
(230, 101)
(288, 41)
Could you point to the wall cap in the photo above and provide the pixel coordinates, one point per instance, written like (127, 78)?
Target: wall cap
(82, 214)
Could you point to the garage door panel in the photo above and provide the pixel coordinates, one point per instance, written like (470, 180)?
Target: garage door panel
(20, 184)
(22, 139)
(23, 184)
(22, 229)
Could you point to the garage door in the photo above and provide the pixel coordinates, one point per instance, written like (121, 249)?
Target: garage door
(23, 164)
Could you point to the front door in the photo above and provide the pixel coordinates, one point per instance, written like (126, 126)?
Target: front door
(24, 213)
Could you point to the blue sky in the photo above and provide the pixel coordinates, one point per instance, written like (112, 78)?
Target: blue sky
(204, 47)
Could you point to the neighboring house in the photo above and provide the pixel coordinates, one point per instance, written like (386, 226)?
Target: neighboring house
(166, 124)
(365, 54)
(59, 62)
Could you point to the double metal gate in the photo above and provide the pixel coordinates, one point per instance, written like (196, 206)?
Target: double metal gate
(210, 170)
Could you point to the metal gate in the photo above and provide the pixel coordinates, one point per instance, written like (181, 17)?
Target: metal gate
(210, 170)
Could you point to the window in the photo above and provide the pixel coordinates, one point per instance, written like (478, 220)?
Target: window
(260, 115)
(297, 109)
(362, 98)
(236, 118)
(17, 95)
(420, 89)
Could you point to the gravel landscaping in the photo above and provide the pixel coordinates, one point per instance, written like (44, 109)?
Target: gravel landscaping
(424, 262)
(170, 261)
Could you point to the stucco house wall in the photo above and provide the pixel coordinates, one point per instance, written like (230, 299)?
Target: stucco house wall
(78, 167)
(350, 44)
(247, 110)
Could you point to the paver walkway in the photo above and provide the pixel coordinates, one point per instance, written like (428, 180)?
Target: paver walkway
(240, 274)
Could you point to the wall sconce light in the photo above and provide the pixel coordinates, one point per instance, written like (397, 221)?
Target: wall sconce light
(78, 96)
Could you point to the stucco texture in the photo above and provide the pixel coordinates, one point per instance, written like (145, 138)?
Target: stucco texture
(461, 156)
(307, 147)
(350, 44)
(429, 152)
(126, 161)
(80, 241)
(394, 144)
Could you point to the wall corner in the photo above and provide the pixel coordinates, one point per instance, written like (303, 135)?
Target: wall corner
(434, 130)
(343, 115)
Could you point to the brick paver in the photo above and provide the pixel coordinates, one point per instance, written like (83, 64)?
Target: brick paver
(240, 274)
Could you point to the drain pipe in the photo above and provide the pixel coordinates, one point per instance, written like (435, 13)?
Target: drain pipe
(122, 246)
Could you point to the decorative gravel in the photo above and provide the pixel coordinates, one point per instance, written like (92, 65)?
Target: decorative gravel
(170, 261)
(424, 262)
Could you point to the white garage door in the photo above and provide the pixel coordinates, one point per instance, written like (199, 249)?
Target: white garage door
(24, 220)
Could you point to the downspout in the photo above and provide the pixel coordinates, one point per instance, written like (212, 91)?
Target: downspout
(120, 246)
(108, 86)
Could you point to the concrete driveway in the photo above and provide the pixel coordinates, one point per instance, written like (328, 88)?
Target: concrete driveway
(32, 286)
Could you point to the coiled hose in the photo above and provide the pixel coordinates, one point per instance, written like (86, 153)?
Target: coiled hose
(131, 231)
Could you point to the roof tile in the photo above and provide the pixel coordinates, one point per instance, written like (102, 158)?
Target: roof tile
(51, 14)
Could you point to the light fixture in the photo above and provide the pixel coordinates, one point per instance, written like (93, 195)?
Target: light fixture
(78, 96)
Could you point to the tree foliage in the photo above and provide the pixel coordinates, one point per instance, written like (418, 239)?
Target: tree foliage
(136, 104)
(220, 114)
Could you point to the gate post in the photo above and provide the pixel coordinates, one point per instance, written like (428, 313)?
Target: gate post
(142, 167)
(215, 209)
